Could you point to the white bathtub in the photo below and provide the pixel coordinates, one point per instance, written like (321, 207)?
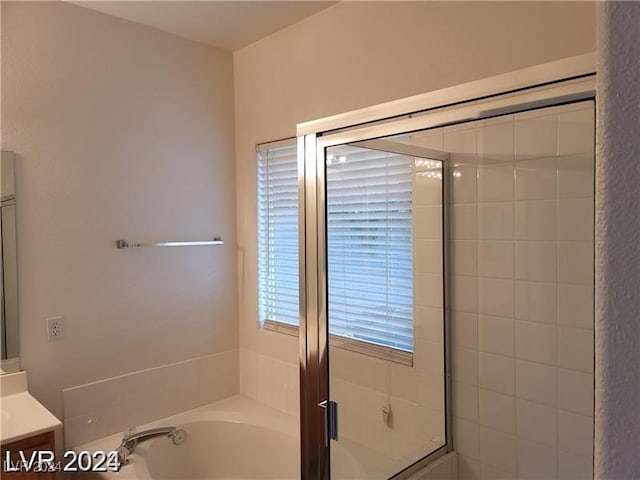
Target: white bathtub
(235, 438)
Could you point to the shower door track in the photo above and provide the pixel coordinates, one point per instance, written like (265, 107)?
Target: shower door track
(560, 82)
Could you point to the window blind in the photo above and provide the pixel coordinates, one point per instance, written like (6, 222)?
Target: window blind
(369, 243)
(278, 234)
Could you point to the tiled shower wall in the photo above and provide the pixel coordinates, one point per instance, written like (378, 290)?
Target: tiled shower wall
(522, 292)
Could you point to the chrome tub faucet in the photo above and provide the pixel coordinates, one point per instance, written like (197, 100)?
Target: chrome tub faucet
(131, 440)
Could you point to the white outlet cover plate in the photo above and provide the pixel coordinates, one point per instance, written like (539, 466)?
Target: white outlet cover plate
(55, 328)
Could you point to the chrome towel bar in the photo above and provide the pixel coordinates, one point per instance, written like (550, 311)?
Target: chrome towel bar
(188, 243)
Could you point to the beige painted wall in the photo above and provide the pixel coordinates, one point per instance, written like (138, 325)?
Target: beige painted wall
(356, 54)
(120, 131)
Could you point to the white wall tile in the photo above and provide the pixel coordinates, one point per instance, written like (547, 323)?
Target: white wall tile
(427, 256)
(465, 401)
(278, 381)
(428, 290)
(464, 182)
(536, 179)
(543, 204)
(536, 342)
(535, 220)
(378, 435)
(404, 434)
(461, 142)
(182, 380)
(575, 305)
(433, 139)
(575, 391)
(144, 397)
(495, 297)
(575, 219)
(495, 221)
(576, 131)
(536, 261)
(465, 365)
(536, 382)
(495, 183)
(428, 222)
(537, 422)
(496, 373)
(535, 135)
(426, 190)
(293, 390)
(360, 369)
(495, 259)
(535, 301)
(575, 176)
(464, 329)
(498, 449)
(464, 257)
(430, 429)
(466, 438)
(575, 262)
(575, 349)
(464, 294)
(489, 472)
(574, 467)
(497, 411)
(443, 471)
(536, 461)
(94, 410)
(218, 376)
(430, 391)
(429, 324)
(495, 335)
(428, 358)
(78, 401)
(80, 429)
(575, 433)
(463, 222)
(496, 139)
(468, 468)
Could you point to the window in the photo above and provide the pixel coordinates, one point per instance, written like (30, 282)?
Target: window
(369, 230)
(278, 234)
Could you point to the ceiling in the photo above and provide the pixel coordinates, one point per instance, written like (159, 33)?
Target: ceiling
(227, 25)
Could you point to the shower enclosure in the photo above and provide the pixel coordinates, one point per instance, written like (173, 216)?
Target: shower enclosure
(446, 280)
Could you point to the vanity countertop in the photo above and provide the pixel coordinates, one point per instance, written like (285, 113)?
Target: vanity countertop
(22, 415)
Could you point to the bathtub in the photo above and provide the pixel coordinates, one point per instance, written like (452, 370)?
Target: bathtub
(235, 438)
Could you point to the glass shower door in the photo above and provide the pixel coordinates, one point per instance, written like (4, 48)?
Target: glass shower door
(385, 305)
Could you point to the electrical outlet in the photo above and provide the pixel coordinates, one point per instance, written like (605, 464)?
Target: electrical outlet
(55, 328)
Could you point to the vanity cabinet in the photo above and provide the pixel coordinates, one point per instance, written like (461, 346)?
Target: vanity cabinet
(43, 441)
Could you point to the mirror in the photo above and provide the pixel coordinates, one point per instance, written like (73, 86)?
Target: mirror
(10, 345)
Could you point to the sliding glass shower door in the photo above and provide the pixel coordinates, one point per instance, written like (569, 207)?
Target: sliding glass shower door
(381, 290)
(385, 305)
(383, 269)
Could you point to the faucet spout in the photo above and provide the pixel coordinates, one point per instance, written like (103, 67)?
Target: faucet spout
(131, 441)
(135, 438)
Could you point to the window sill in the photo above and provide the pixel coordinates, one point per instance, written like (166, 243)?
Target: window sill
(350, 344)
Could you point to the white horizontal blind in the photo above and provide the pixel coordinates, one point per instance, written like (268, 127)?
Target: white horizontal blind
(369, 229)
(278, 234)
(369, 243)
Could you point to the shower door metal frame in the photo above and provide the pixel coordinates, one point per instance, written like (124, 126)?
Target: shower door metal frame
(564, 81)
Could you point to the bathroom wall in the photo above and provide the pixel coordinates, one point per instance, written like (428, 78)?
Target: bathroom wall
(370, 52)
(120, 131)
